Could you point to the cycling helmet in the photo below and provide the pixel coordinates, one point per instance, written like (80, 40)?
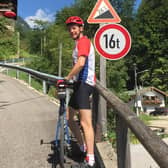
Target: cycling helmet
(74, 19)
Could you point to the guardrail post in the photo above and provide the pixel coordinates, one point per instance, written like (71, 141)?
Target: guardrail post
(29, 80)
(17, 74)
(44, 87)
(123, 146)
(7, 71)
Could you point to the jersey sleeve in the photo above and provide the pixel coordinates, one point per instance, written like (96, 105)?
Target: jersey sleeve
(83, 47)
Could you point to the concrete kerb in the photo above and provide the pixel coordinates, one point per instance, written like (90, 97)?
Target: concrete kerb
(107, 154)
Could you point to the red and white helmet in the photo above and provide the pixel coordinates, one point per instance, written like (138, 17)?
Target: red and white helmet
(74, 19)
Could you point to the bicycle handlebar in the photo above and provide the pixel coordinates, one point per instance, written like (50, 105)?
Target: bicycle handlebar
(64, 84)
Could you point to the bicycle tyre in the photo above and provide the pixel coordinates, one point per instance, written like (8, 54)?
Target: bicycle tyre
(62, 150)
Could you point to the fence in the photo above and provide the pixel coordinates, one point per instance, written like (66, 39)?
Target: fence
(125, 119)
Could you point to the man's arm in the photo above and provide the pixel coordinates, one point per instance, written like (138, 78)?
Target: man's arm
(77, 67)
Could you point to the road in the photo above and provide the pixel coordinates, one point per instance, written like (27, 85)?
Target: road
(25, 117)
(162, 122)
(140, 158)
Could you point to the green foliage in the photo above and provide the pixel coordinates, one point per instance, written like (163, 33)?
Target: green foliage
(81, 8)
(8, 40)
(151, 43)
(117, 75)
(48, 60)
(23, 28)
(147, 118)
(112, 138)
(3, 22)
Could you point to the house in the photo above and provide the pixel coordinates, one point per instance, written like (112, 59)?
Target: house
(147, 99)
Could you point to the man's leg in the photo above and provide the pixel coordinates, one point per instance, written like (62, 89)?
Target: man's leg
(86, 122)
(74, 125)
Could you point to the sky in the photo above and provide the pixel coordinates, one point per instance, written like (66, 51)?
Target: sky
(44, 10)
(40, 9)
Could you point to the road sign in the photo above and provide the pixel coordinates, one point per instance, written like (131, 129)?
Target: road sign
(103, 12)
(112, 41)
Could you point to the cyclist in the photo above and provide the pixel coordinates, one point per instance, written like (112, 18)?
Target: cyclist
(83, 72)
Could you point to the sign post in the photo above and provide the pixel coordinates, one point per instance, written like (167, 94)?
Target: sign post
(103, 104)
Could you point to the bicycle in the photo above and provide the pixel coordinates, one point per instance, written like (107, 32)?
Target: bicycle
(61, 145)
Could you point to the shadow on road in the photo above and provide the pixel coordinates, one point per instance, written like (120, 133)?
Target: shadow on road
(73, 155)
(3, 104)
(1, 81)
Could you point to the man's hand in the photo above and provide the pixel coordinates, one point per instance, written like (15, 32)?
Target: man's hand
(67, 78)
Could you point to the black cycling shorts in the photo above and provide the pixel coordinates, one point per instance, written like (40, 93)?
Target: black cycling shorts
(80, 96)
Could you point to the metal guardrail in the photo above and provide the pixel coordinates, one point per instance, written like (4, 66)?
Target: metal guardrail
(46, 78)
(125, 119)
(15, 60)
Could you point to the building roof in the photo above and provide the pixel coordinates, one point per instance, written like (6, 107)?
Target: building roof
(148, 91)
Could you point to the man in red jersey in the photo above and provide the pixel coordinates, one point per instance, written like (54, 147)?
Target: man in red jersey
(83, 72)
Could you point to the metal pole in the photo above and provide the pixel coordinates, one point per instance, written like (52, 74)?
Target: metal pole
(136, 91)
(41, 46)
(103, 104)
(44, 87)
(18, 44)
(17, 74)
(29, 80)
(7, 71)
(60, 60)
(44, 48)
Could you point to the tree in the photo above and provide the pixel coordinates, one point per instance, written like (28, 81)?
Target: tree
(150, 50)
(117, 75)
(8, 40)
(80, 8)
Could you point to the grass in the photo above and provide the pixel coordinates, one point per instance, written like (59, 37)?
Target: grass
(35, 83)
(147, 118)
(111, 136)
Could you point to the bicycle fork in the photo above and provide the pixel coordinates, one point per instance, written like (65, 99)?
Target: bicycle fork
(62, 113)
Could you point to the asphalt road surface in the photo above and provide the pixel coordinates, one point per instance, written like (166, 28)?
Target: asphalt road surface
(26, 117)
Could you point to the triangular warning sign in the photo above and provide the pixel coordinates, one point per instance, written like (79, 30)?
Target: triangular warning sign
(103, 12)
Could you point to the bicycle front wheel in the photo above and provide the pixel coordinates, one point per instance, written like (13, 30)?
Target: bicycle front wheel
(62, 150)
